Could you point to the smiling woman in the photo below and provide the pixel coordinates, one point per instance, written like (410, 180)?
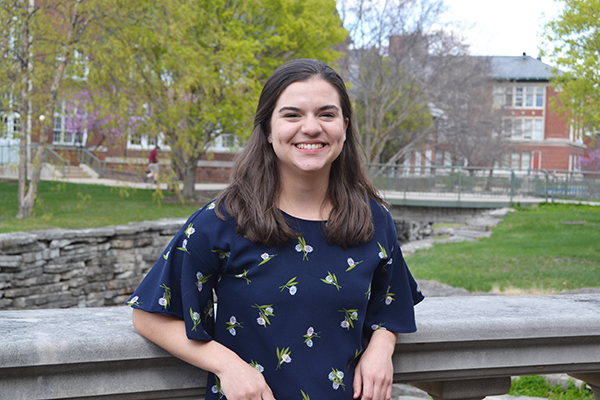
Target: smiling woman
(302, 254)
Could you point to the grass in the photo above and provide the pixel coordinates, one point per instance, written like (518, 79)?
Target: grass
(76, 206)
(537, 386)
(546, 249)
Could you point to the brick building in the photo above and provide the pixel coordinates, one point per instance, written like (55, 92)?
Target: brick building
(542, 139)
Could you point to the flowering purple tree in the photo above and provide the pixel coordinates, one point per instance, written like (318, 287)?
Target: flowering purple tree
(591, 162)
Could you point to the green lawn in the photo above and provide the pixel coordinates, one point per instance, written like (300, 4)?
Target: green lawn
(546, 249)
(74, 206)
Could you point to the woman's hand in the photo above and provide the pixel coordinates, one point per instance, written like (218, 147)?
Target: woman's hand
(375, 372)
(244, 382)
(238, 379)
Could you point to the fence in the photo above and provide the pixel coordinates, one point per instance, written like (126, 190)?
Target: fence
(486, 182)
(9, 156)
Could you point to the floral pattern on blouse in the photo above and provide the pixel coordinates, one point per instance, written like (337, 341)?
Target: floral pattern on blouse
(269, 302)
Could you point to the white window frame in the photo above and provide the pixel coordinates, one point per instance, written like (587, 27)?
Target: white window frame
(146, 142)
(518, 96)
(10, 126)
(524, 128)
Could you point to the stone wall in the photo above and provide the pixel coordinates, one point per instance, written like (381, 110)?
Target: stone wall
(60, 268)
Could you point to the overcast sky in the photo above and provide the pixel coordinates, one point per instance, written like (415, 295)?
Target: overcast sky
(502, 27)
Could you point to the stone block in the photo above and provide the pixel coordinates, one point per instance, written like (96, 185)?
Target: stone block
(122, 243)
(77, 282)
(49, 254)
(7, 303)
(10, 261)
(124, 275)
(28, 272)
(37, 280)
(32, 257)
(12, 240)
(5, 277)
(59, 268)
(5, 284)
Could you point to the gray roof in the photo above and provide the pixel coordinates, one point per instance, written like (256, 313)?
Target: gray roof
(520, 68)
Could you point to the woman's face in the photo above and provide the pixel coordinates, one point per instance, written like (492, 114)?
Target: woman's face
(308, 128)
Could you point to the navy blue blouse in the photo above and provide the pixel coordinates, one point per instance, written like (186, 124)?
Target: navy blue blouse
(298, 312)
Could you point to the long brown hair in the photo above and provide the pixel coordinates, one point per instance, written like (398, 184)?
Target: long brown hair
(251, 198)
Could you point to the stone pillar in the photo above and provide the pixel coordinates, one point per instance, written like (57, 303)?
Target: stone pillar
(466, 389)
(593, 381)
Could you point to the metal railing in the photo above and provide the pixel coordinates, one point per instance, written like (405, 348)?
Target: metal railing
(9, 155)
(84, 156)
(482, 182)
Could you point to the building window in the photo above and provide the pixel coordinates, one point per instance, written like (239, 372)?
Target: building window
(519, 96)
(139, 141)
(524, 128)
(10, 126)
(225, 143)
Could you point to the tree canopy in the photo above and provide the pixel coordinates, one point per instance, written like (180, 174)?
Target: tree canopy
(574, 39)
(193, 69)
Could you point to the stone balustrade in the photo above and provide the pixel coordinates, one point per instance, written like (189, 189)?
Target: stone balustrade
(466, 348)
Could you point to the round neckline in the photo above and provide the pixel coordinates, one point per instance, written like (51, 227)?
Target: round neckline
(302, 219)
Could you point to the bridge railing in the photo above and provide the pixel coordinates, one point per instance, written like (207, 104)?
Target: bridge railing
(485, 182)
(466, 348)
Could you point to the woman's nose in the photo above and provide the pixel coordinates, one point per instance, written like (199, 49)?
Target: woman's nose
(312, 125)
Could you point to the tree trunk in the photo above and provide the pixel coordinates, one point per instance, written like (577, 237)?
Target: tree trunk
(27, 200)
(187, 169)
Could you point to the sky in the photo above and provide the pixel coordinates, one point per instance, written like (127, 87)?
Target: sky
(502, 27)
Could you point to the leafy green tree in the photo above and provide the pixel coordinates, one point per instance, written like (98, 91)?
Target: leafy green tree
(574, 39)
(193, 69)
(38, 54)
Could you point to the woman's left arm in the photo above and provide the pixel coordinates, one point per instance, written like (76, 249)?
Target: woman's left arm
(375, 372)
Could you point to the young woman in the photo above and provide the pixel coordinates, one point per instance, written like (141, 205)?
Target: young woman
(301, 255)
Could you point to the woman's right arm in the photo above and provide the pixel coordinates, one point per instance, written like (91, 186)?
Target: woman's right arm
(238, 379)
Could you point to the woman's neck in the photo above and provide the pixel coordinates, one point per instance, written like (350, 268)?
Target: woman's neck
(305, 197)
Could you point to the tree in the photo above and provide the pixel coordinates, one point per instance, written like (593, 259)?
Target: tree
(38, 45)
(574, 39)
(471, 126)
(193, 69)
(395, 64)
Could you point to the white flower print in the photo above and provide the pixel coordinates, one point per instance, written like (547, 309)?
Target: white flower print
(260, 321)
(352, 264)
(184, 246)
(162, 301)
(264, 312)
(350, 317)
(331, 279)
(214, 389)
(283, 356)
(266, 257)
(133, 302)
(337, 379)
(256, 365)
(304, 248)
(222, 253)
(290, 285)
(190, 230)
(382, 252)
(211, 206)
(310, 335)
(195, 318)
(232, 324)
(201, 280)
(388, 297)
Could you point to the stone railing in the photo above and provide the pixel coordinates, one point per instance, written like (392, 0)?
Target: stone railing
(60, 268)
(466, 348)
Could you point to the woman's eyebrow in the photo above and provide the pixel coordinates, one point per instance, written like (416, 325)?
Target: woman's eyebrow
(323, 108)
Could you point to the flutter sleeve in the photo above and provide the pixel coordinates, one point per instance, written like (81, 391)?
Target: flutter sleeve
(394, 291)
(180, 283)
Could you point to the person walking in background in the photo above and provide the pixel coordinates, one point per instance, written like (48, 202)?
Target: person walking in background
(301, 255)
(153, 164)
